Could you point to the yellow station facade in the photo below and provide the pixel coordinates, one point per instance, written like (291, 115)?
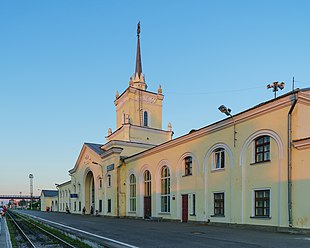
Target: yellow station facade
(250, 168)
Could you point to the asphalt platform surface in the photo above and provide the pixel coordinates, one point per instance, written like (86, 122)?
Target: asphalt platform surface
(144, 233)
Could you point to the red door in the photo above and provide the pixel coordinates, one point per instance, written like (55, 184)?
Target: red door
(184, 208)
(147, 207)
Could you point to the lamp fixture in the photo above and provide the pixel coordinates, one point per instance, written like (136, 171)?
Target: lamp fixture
(227, 111)
(275, 86)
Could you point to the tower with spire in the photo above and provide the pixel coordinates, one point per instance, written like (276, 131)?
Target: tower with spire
(138, 111)
(137, 79)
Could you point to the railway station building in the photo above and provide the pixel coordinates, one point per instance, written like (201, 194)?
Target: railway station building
(250, 168)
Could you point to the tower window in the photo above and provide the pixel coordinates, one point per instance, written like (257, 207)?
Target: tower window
(145, 119)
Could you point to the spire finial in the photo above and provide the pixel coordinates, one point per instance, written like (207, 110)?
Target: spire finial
(138, 29)
(138, 57)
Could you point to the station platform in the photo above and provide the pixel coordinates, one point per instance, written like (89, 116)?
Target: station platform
(5, 240)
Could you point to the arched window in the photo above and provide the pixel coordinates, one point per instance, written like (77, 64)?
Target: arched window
(262, 149)
(188, 165)
(219, 158)
(147, 183)
(165, 190)
(145, 119)
(132, 193)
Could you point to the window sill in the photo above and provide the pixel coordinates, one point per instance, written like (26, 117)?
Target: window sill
(192, 215)
(218, 215)
(187, 175)
(162, 213)
(217, 169)
(132, 212)
(261, 217)
(262, 162)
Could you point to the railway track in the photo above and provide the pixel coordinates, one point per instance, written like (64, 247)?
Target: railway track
(33, 234)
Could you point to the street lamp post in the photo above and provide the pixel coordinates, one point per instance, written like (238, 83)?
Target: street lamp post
(57, 187)
(227, 111)
(31, 189)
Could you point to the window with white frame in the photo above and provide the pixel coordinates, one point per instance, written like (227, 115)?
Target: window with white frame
(147, 183)
(218, 201)
(109, 180)
(192, 204)
(165, 190)
(188, 164)
(132, 193)
(262, 149)
(219, 158)
(262, 203)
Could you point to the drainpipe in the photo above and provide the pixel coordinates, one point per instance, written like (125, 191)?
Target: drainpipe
(289, 161)
(118, 187)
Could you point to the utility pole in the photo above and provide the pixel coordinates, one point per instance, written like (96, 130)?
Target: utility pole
(31, 189)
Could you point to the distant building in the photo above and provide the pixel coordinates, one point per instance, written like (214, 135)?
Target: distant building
(249, 169)
(49, 200)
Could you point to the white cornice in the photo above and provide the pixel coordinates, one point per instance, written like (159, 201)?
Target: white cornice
(135, 127)
(302, 144)
(120, 143)
(112, 150)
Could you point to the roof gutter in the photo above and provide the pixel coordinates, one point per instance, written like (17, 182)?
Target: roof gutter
(289, 161)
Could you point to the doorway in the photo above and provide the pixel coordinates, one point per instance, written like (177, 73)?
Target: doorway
(147, 195)
(147, 207)
(89, 192)
(184, 208)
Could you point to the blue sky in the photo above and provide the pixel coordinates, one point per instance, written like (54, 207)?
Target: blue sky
(61, 63)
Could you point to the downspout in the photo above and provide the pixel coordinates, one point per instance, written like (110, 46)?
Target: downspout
(289, 162)
(118, 186)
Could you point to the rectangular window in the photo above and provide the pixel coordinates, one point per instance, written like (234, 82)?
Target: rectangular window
(80, 206)
(262, 203)
(109, 181)
(75, 206)
(262, 149)
(100, 206)
(219, 204)
(188, 166)
(192, 204)
(165, 204)
(132, 194)
(219, 158)
(109, 206)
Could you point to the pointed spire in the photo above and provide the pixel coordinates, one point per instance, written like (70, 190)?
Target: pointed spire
(138, 57)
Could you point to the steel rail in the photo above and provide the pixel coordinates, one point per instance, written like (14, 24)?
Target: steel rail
(46, 232)
(21, 231)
